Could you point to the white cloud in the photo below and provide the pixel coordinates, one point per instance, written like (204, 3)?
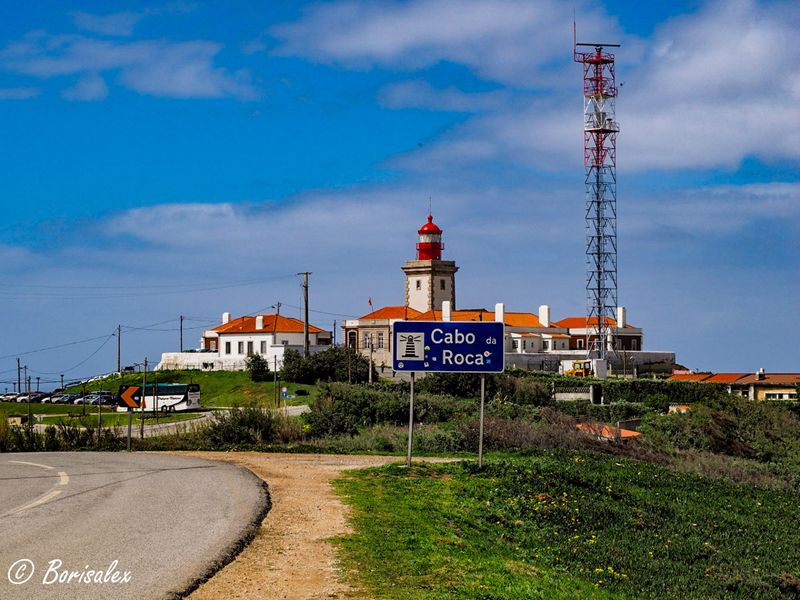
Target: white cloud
(709, 90)
(503, 40)
(116, 24)
(88, 88)
(19, 93)
(151, 67)
(420, 94)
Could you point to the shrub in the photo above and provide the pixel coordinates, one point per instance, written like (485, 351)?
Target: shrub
(257, 367)
(344, 409)
(241, 427)
(333, 364)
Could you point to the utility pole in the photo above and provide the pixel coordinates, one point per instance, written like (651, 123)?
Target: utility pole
(37, 383)
(19, 378)
(334, 333)
(62, 382)
(305, 275)
(119, 349)
(181, 349)
(142, 405)
(30, 411)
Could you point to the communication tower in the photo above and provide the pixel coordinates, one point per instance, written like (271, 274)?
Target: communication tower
(600, 130)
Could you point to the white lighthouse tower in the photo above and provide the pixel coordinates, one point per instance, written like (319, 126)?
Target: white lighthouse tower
(429, 279)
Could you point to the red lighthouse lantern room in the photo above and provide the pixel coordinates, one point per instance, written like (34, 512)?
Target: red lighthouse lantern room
(430, 244)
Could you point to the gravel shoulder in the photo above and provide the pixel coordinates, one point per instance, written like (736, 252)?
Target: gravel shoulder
(291, 555)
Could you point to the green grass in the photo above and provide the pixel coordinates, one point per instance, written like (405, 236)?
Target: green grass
(217, 388)
(115, 419)
(13, 409)
(566, 525)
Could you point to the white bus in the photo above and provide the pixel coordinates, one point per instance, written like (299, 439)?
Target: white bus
(169, 397)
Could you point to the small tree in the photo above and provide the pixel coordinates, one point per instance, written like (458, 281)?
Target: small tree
(257, 367)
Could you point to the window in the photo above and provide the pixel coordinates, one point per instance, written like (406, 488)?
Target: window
(546, 344)
(263, 347)
(241, 347)
(581, 344)
(419, 284)
(249, 348)
(351, 339)
(366, 340)
(442, 284)
(515, 344)
(227, 347)
(380, 340)
(524, 345)
(634, 344)
(213, 345)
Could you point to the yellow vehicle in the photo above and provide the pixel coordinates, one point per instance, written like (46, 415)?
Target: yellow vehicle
(580, 368)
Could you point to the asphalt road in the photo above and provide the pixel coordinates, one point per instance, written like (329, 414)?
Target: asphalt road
(166, 521)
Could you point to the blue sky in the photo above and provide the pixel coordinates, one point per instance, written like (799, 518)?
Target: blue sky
(190, 157)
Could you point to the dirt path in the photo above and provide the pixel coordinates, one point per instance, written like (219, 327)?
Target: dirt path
(291, 555)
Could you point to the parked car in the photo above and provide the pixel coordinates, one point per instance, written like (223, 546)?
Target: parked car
(22, 398)
(9, 397)
(67, 398)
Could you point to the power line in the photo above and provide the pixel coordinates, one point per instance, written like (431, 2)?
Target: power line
(100, 347)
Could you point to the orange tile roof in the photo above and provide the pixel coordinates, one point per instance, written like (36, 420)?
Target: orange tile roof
(690, 377)
(512, 319)
(725, 377)
(391, 312)
(607, 432)
(580, 323)
(247, 324)
(771, 379)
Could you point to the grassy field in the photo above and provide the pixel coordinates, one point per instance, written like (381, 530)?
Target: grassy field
(14, 409)
(115, 419)
(217, 388)
(567, 525)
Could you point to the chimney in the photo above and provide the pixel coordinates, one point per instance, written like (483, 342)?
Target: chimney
(622, 316)
(500, 312)
(761, 374)
(259, 321)
(544, 315)
(226, 318)
(447, 314)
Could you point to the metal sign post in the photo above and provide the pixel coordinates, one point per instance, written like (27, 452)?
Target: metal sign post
(480, 435)
(448, 347)
(410, 421)
(130, 426)
(130, 397)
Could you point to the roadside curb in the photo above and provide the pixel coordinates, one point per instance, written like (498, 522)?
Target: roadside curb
(231, 552)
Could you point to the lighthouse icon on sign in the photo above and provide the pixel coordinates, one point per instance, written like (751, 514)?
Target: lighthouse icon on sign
(411, 346)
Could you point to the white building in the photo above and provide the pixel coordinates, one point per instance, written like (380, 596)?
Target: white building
(227, 346)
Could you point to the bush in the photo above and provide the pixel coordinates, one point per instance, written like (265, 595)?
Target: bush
(333, 364)
(344, 409)
(257, 367)
(733, 426)
(247, 426)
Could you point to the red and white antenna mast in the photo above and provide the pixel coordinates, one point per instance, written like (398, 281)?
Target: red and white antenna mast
(600, 130)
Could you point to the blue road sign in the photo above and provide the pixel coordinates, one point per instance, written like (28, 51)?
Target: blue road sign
(448, 347)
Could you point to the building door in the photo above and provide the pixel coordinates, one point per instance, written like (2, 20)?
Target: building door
(351, 339)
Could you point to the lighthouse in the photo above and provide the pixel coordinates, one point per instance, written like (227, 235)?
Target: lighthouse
(429, 279)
